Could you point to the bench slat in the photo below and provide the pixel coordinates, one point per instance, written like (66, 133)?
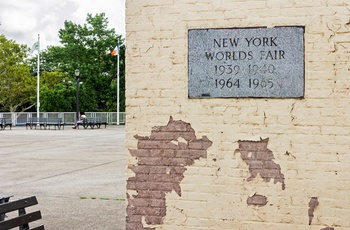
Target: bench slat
(15, 205)
(21, 220)
(38, 228)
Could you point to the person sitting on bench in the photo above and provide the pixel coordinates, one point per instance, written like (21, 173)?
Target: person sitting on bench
(80, 121)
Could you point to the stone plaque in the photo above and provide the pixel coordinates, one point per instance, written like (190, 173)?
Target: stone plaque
(246, 62)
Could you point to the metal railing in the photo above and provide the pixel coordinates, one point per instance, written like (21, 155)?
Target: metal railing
(20, 119)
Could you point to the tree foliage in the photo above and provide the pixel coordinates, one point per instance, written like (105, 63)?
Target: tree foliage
(85, 47)
(58, 93)
(17, 87)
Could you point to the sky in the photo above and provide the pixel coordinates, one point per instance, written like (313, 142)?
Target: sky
(23, 20)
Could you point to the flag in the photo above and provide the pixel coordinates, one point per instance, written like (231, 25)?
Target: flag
(116, 50)
(35, 47)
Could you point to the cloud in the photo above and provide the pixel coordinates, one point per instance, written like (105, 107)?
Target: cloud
(15, 22)
(23, 20)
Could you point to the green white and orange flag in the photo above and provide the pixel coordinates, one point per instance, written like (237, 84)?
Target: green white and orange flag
(116, 50)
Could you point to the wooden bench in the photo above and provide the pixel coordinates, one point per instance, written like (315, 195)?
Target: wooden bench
(93, 122)
(23, 219)
(4, 123)
(44, 122)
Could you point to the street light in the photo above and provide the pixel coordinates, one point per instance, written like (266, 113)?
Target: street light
(77, 74)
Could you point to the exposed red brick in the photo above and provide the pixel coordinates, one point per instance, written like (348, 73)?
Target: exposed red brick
(177, 169)
(255, 164)
(174, 126)
(159, 169)
(149, 169)
(162, 152)
(140, 152)
(260, 161)
(162, 158)
(151, 161)
(130, 183)
(130, 211)
(203, 143)
(142, 202)
(164, 161)
(150, 194)
(258, 200)
(312, 205)
(182, 145)
(140, 169)
(134, 218)
(153, 144)
(143, 185)
(159, 178)
(150, 211)
(137, 226)
(154, 220)
(156, 135)
(186, 153)
(140, 137)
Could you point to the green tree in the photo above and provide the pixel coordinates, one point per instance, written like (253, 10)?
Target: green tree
(87, 48)
(17, 86)
(58, 93)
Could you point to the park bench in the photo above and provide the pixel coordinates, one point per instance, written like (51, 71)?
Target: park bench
(93, 122)
(55, 121)
(4, 123)
(23, 219)
(44, 122)
(36, 121)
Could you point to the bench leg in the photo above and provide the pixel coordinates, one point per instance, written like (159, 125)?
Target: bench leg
(22, 212)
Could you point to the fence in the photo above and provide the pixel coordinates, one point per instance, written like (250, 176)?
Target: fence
(20, 119)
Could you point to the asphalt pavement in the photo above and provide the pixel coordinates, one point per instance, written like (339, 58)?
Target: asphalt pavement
(77, 175)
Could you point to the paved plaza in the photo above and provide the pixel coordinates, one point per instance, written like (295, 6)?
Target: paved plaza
(78, 176)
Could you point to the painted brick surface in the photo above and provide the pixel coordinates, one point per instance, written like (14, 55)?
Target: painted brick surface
(308, 138)
(162, 160)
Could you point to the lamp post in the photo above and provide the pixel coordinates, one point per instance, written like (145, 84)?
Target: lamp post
(77, 74)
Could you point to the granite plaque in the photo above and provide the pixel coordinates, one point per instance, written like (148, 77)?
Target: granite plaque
(246, 62)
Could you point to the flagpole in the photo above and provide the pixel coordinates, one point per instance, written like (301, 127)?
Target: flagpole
(38, 81)
(118, 87)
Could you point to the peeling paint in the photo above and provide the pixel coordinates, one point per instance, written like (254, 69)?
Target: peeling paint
(260, 161)
(162, 158)
(312, 204)
(257, 200)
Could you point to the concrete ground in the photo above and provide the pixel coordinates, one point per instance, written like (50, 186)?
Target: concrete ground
(78, 176)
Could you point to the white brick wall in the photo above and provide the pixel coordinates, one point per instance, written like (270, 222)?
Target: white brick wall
(313, 130)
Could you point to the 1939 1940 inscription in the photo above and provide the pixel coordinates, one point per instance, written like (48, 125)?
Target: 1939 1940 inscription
(246, 62)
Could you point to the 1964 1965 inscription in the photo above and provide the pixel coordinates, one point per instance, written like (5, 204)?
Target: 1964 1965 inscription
(246, 62)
